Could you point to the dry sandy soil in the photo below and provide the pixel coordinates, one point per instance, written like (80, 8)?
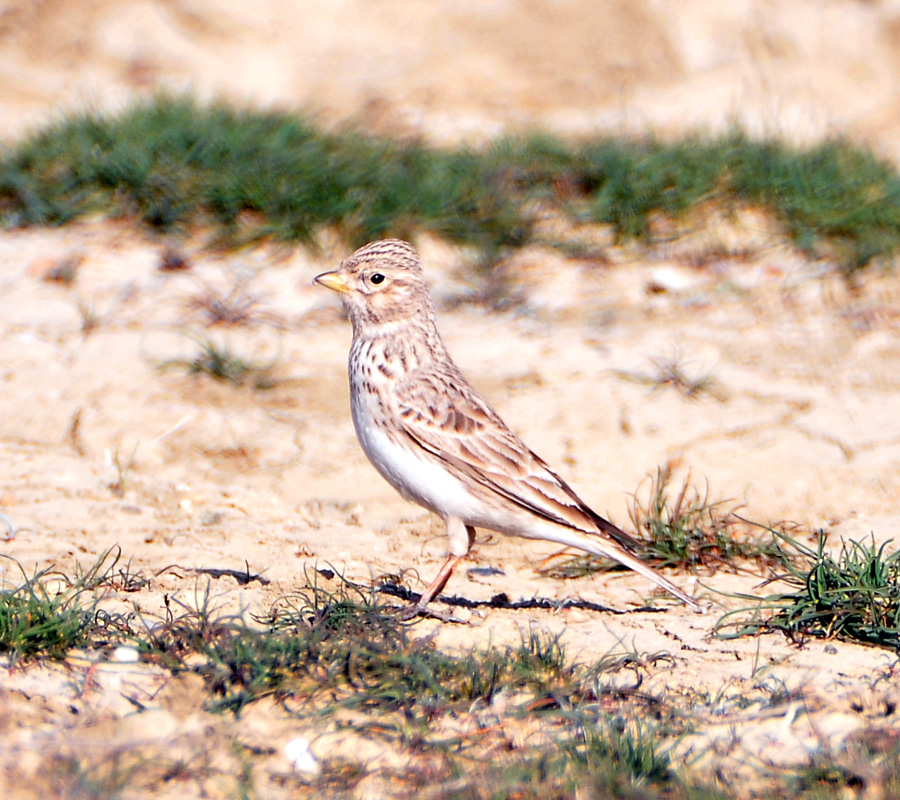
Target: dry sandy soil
(106, 440)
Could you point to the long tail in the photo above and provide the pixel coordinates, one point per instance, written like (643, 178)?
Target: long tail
(599, 545)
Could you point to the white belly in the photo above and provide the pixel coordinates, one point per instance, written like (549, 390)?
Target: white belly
(423, 481)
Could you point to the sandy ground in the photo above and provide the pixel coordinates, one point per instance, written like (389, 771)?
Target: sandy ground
(106, 440)
(801, 425)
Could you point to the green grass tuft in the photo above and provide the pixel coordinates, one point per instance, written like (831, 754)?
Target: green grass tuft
(854, 596)
(246, 176)
(221, 362)
(324, 654)
(177, 165)
(49, 614)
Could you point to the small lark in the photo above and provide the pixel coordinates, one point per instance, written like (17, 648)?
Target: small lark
(435, 439)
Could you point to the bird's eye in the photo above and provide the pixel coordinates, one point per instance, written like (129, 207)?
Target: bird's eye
(377, 278)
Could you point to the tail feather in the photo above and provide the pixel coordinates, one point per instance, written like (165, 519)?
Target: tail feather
(606, 548)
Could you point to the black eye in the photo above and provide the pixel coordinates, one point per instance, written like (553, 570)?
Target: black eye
(377, 278)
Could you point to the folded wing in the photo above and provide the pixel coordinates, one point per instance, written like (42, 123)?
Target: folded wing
(452, 423)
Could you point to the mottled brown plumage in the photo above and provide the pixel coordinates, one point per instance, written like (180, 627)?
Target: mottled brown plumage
(435, 439)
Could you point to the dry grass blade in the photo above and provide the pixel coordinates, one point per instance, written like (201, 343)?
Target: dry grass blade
(690, 533)
(671, 371)
(233, 308)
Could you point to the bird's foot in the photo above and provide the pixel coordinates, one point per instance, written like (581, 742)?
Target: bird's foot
(414, 610)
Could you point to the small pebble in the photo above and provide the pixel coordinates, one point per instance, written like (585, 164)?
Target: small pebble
(125, 654)
(172, 261)
(302, 760)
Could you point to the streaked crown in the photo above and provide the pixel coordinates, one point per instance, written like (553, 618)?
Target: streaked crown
(399, 255)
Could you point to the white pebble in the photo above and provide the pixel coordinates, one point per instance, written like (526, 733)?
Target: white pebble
(125, 654)
(298, 753)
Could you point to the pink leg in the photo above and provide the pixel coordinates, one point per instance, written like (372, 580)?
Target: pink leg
(440, 580)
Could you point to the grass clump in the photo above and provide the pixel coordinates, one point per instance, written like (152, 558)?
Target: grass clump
(693, 533)
(237, 307)
(329, 655)
(35, 621)
(49, 613)
(690, 533)
(351, 651)
(178, 165)
(672, 372)
(853, 596)
(606, 758)
(833, 200)
(452, 716)
(222, 363)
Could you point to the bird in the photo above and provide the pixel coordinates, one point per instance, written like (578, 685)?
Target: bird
(436, 440)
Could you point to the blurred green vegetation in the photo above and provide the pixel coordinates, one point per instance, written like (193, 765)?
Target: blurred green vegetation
(179, 165)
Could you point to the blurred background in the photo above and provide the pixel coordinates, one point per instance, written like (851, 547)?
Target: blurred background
(468, 69)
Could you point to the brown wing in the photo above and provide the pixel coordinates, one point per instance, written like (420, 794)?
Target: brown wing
(451, 422)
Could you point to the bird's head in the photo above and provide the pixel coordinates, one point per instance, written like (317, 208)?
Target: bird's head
(381, 283)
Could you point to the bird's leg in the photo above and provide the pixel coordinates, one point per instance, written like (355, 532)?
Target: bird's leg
(439, 582)
(461, 539)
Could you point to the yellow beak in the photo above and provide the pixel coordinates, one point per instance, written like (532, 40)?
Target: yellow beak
(332, 280)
